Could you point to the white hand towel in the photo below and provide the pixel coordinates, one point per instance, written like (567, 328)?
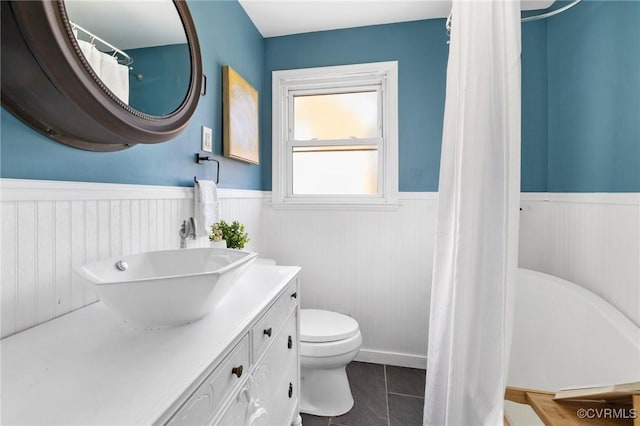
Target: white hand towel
(206, 207)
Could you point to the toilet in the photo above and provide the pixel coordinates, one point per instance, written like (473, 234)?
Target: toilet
(328, 342)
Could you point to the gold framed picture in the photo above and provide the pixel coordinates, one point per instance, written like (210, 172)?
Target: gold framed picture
(241, 135)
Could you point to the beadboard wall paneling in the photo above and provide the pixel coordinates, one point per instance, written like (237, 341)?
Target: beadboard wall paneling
(49, 227)
(370, 264)
(592, 240)
(374, 264)
(8, 268)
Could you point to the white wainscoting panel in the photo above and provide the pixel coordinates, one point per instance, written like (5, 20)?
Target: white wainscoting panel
(376, 265)
(372, 265)
(49, 227)
(592, 240)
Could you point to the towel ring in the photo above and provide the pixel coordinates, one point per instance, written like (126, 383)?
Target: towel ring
(199, 159)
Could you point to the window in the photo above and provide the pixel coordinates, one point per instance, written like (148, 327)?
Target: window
(335, 135)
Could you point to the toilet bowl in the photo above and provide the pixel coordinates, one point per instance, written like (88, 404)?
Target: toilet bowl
(328, 342)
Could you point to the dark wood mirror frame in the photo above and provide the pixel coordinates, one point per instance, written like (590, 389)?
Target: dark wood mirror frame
(47, 83)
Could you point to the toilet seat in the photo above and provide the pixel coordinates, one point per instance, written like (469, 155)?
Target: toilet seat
(330, 349)
(319, 326)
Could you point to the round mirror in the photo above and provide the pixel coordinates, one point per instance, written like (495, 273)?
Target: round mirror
(101, 75)
(138, 50)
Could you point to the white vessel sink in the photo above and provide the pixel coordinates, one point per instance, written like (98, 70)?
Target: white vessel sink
(166, 288)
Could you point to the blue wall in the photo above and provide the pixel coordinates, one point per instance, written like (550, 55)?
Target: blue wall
(165, 76)
(534, 107)
(421, 51)
(594, 98)
(227, 37)
(420, 48)
(580, 102)
(580, 94)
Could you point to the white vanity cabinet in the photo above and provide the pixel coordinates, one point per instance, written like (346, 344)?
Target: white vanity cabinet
(237, 366)
(257, 381)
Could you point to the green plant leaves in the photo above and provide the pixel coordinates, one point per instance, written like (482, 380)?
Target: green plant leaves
(233, 234)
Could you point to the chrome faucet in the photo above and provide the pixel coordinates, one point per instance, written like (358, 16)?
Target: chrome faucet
(187, 230)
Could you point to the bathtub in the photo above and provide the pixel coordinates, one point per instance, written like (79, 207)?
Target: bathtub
(565, 335)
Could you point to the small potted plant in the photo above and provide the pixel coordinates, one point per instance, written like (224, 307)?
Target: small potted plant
(233, 234)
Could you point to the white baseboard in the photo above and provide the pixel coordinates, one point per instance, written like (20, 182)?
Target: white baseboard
(392, 358)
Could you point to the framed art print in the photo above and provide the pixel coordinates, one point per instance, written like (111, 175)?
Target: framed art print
(241, 134)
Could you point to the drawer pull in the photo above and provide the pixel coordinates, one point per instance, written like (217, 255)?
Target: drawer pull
(290, 343)
(237, 371)
(290, 389)
(295, 295)
(267, 332)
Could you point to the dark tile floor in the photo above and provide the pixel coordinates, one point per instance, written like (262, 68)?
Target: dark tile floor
(384, 395)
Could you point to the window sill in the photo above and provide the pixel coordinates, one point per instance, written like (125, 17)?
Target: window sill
(310, 205)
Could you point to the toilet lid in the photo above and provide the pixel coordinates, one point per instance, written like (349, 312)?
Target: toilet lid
(325, 326)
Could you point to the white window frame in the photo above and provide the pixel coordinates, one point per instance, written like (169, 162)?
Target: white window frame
(381, 76)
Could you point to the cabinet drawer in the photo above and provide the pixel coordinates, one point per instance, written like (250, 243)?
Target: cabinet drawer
(203, 404)
(266, 329)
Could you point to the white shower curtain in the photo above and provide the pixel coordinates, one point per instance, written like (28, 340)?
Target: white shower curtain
(114, 75)
(477, 229)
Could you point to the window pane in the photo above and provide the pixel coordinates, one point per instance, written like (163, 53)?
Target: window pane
(335, 170)
(336, 116)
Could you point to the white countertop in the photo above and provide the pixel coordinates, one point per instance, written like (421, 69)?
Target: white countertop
(88, 367)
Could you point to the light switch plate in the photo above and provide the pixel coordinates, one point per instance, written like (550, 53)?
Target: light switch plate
(207, 139)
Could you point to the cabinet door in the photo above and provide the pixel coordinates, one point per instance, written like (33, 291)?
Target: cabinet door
(270, 387)
(237, 414)
(286, 391)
